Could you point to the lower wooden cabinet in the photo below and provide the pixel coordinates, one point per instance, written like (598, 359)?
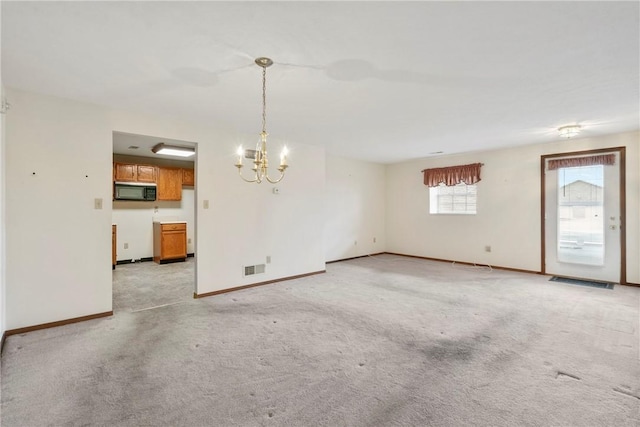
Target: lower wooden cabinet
(169, 241)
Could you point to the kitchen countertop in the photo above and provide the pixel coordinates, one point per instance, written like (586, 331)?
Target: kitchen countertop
(170, 222)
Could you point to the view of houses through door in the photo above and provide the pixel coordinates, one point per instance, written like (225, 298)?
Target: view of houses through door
(583, 215)
(154, 261)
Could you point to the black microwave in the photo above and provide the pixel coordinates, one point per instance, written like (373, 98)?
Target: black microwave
(134, 191)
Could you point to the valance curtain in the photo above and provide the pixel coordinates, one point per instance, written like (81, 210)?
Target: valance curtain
(452, 175)
(572, 162)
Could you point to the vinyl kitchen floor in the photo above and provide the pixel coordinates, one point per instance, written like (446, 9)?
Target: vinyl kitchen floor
(145, 285)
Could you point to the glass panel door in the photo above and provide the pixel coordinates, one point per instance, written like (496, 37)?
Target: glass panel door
(582, 222)
(580, 215)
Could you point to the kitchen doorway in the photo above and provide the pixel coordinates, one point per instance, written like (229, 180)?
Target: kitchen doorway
(583, 219)
(153, 230)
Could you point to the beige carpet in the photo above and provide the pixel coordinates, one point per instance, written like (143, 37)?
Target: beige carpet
(377, 341)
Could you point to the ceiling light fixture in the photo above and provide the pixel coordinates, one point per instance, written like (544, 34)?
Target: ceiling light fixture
(4, 106)
(569, 131)
(259, 155)
(173, 150)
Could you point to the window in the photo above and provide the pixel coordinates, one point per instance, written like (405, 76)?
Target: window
(455, 199)
(452, 189)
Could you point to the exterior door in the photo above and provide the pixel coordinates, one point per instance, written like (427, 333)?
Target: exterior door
(583, 215)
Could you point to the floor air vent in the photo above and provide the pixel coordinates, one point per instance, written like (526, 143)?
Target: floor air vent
(250, 270)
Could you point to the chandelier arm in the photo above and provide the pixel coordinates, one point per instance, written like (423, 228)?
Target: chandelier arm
(245, 179)
(272, 181)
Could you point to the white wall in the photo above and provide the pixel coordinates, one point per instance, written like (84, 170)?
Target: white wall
(508, 216)
(58, 160)
(3, 226)
(355, 209)
(245, 223)
(134, 221)
(59, 247)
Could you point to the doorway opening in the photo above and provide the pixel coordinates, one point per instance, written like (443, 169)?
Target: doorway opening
(153, 248)
(583, 215)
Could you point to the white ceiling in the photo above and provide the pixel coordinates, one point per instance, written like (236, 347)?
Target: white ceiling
(378, 81)
(141, 145)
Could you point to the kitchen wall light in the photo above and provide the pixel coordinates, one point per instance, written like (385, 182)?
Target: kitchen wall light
(173, 150)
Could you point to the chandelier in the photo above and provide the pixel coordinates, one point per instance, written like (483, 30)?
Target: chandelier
(259, 155)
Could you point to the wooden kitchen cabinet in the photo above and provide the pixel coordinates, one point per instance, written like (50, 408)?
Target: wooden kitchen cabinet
(188, 177)
(169, 241)
(126, 172)
(169, 183)
(146, 173)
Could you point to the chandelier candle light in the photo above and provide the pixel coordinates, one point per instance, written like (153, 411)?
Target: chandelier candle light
(259, 155)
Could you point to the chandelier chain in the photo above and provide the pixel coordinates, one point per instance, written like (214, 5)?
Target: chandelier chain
(264, 99)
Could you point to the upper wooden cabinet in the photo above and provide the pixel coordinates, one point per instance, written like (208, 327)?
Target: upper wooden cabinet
(188, 177)
(169, 179)
(169, 183)
(125, 172)
(146, 173)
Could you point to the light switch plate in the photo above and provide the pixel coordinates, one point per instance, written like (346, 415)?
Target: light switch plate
(97, 203)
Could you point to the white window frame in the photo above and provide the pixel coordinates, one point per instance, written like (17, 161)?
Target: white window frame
(467, 203)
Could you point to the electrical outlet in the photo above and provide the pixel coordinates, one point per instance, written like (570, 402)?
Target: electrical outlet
(97, 203)
(268, 259)
(487, 248)
(126, 246)
(355, 242)
(205, 204)
(374, 240)
(189, 240)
